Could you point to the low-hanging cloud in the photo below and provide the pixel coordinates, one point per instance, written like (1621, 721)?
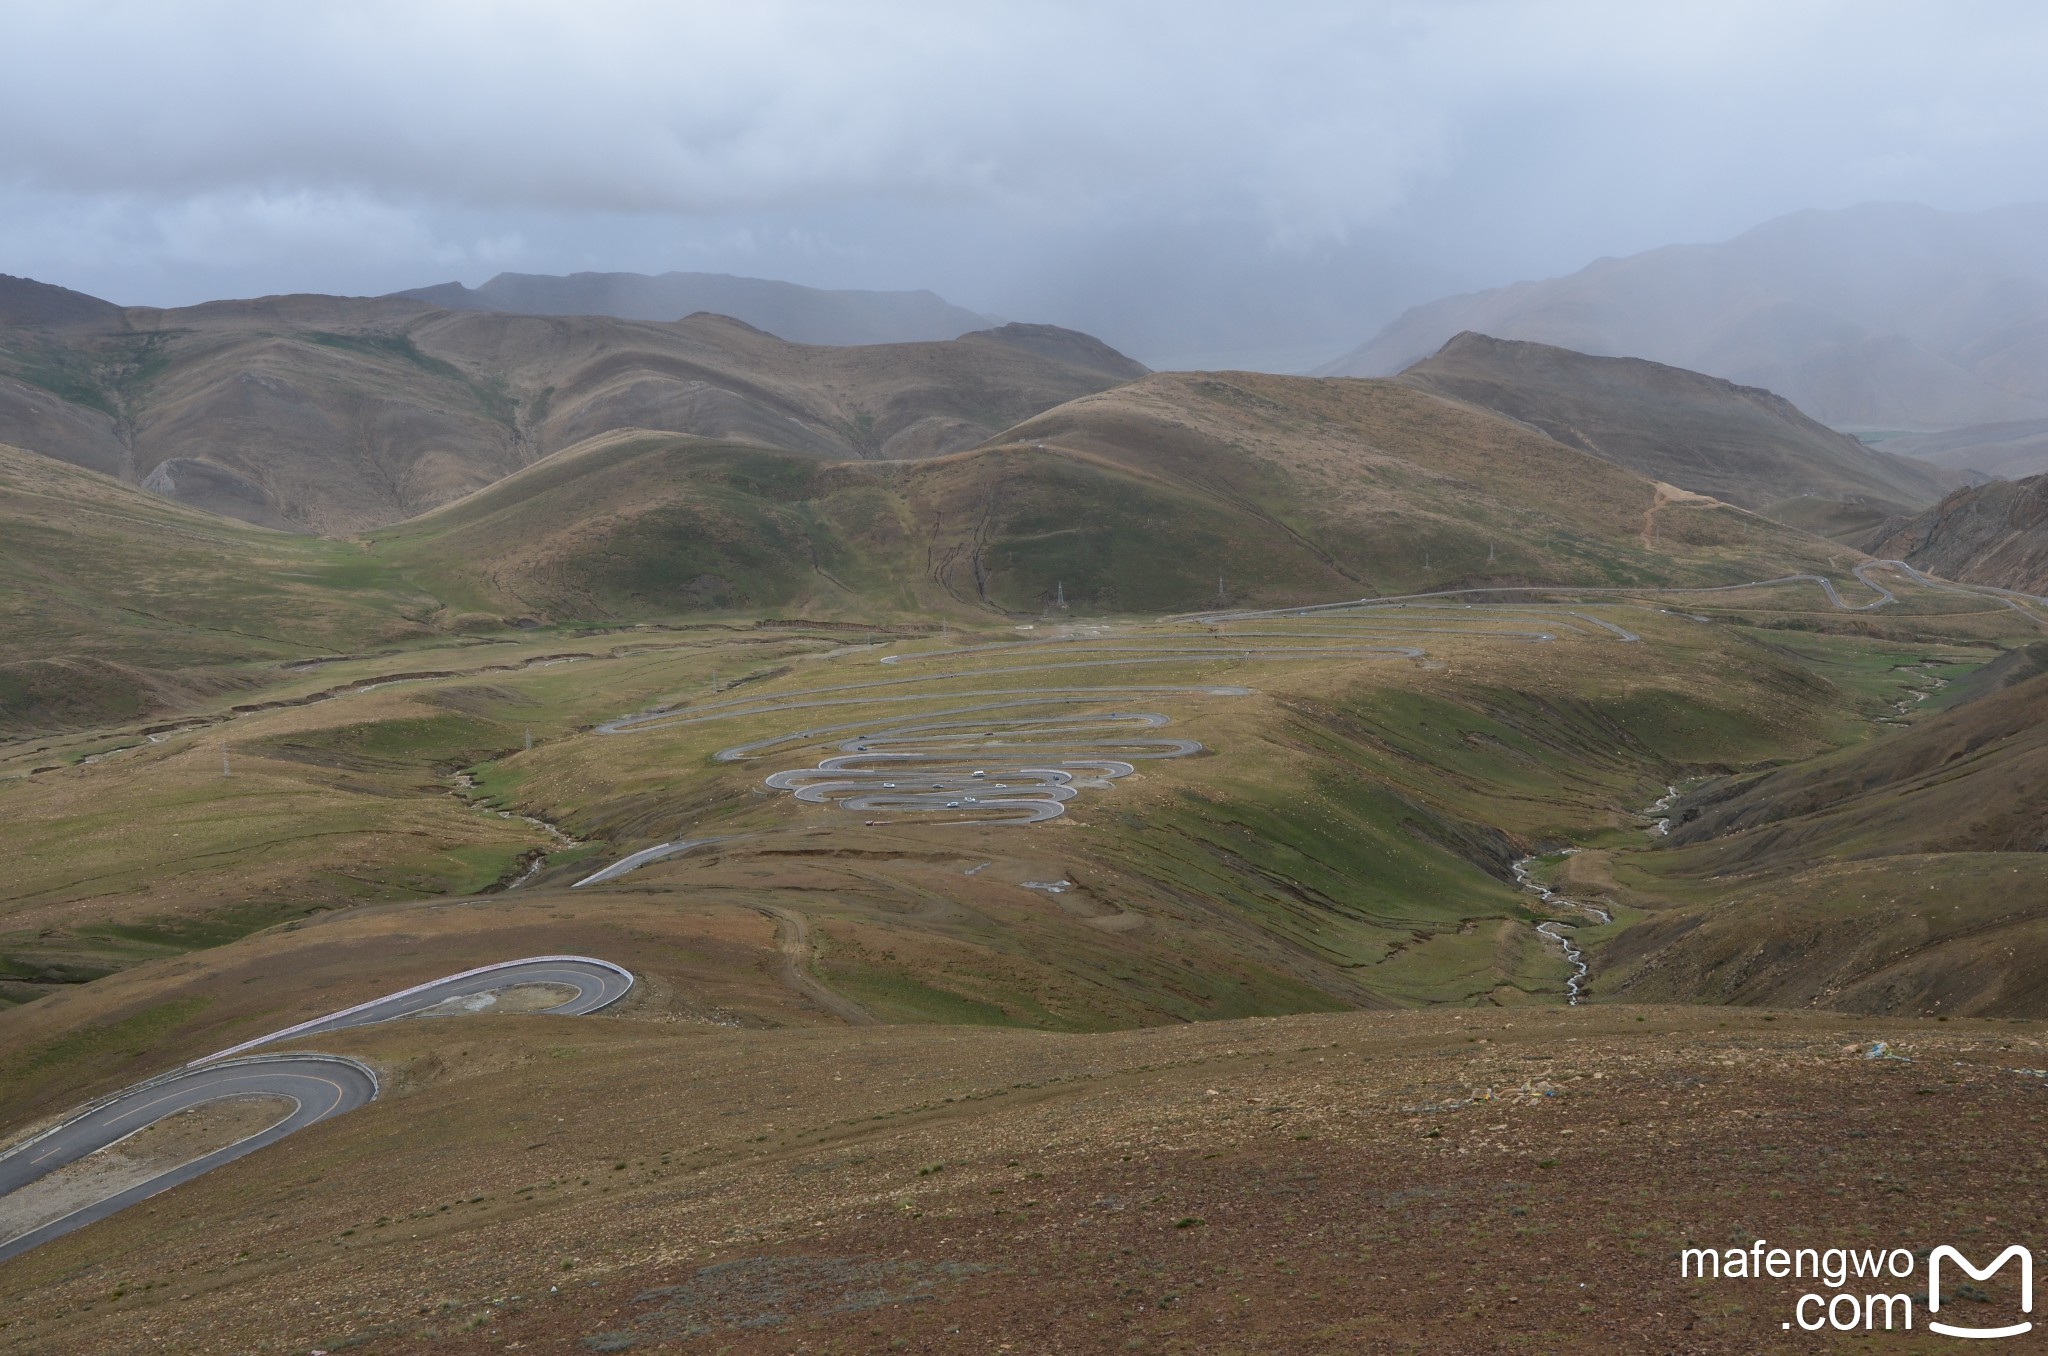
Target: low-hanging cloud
(162, 153)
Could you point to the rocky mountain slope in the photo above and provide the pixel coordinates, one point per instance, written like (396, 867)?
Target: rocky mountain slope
(1995, 533)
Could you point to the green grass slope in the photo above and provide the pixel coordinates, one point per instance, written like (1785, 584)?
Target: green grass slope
(1133, 500)
(99, 572)
(1905, 873)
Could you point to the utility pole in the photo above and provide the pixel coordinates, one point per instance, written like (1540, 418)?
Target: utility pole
(1061, 602)
(223, 757)
(529, 739)
(1219, 588)
(1489, 553)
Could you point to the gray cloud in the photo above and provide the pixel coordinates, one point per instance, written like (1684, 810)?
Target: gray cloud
(1200, 175)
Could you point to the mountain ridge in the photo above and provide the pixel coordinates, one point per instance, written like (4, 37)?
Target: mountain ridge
(338, 414)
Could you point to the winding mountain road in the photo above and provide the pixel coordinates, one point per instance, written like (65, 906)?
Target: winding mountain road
(319, 1086)
(1012, 757)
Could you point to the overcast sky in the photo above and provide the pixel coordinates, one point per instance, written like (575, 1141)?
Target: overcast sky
(1181, 177)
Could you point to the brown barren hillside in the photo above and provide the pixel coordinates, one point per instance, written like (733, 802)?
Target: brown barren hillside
(334, 414)
(673, 1176)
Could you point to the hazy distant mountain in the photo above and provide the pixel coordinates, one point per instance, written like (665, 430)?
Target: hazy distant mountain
(1883, 316)
(2011, 451)
(801, 315)
(1737, 443)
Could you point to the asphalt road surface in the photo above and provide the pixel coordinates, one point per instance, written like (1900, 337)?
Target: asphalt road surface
(597, 984)
(319, 1086)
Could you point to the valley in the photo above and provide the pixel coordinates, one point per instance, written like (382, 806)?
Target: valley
(981, 809)
(1023, 680)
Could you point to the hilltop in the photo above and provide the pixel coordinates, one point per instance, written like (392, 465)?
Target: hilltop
(1883, 316)
(1737, 443)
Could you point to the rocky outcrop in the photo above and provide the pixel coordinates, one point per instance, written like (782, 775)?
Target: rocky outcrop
(1985, 534)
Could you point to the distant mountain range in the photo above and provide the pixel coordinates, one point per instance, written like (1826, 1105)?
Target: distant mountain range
(801, 315)
(1880, 317)
(337, 414)
(2009, 451)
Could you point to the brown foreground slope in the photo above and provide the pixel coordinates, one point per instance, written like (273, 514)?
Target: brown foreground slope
(662, 1178)
(334, 414)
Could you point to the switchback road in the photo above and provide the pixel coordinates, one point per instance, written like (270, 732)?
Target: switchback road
(318, 1086)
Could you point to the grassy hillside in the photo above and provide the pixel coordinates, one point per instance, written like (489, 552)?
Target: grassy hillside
(1135, 500)
(1737, 443)
(114, 602)
(1900, 874)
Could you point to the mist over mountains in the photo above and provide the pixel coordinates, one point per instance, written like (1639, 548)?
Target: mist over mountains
(801, 315)
(1879, 317)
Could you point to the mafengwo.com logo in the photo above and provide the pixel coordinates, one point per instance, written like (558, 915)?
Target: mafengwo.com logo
(1885, 1290)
